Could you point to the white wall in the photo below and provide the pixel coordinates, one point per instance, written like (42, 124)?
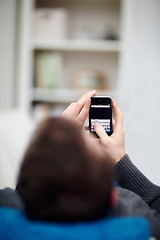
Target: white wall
(7, 52)
(139, 94)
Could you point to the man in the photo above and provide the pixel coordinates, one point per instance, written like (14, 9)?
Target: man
(128, 176)
(113, 149)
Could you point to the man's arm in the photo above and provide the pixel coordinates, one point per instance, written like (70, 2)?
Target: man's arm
(130, 177)
(127, 173)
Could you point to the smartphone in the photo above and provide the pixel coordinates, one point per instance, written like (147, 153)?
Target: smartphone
(101, 112)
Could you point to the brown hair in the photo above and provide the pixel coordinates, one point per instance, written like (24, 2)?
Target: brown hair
(60, 179)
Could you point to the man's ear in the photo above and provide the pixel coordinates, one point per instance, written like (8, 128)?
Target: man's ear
(114, 197)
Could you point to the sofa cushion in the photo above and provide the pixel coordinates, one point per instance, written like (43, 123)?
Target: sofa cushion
(15, 225)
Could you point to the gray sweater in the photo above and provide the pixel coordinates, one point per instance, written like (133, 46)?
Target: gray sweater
(129, 177)
(137, 196)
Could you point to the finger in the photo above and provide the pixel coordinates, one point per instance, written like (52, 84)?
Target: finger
(118, 116)
(74, 108)
(71, 111)
(101, 132)
(87, 95)
(113, 124)
(85, 111)
(93, 136)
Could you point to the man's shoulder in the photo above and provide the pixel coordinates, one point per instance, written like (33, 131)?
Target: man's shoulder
(10, 198)
(129, 203)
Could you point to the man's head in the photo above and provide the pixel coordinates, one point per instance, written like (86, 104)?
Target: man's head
(61, 178)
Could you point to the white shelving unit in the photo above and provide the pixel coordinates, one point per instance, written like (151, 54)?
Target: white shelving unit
(78, 45)
(98, 53)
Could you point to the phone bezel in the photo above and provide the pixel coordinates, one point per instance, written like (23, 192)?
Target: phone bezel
(95, 100)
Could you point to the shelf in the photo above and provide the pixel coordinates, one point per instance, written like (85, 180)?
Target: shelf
(77, 45)
(96, 53)
(41, 3)
(61, 95)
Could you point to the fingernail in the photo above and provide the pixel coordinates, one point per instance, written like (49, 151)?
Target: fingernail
(95, 124)
(93, 91)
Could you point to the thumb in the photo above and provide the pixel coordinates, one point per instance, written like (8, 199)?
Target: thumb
(85, 111)
(101, 132)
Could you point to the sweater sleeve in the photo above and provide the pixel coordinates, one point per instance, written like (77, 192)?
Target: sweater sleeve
(129, 177)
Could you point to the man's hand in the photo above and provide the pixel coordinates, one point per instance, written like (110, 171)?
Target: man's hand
(115, 144)
(79, 110)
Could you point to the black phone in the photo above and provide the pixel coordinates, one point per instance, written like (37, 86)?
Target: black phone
(101, 112)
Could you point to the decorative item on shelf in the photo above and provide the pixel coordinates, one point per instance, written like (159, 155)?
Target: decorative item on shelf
(89, 79)
(85, 32)
(51, 23)
(48, 70)
(110, 36)
(110, 31)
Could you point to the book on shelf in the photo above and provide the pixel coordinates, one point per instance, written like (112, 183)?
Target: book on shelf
(48, 70)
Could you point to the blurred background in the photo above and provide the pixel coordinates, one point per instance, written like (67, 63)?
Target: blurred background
(53, 51)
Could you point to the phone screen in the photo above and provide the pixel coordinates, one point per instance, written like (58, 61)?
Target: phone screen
(101, 112)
